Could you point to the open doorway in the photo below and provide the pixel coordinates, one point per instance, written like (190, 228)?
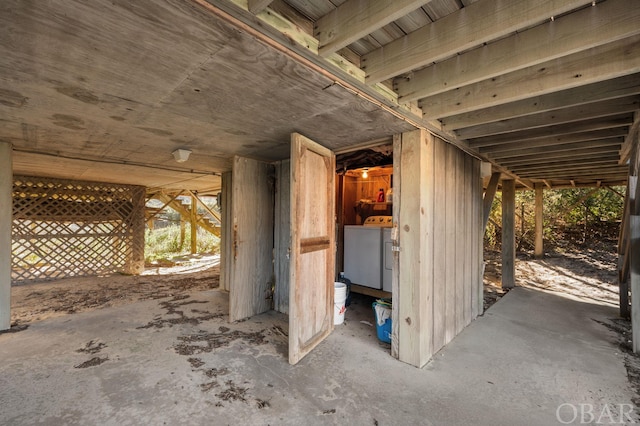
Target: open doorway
(364, 221)
(364, 209)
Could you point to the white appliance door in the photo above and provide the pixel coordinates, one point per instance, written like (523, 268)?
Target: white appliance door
(387, 259)
(363, 255)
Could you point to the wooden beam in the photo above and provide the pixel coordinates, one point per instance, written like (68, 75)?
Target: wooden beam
(631, 140)
(586, 183)
(6, 215)
(257, 6)
(615, 192)
(539, 222)
(587, 28)
(477, 23)
(355, 19)
(501, 152)
(507, 142)
(634, 268)
(551, 118)
(194, 224)
(540, 133)
(561, 130)
(416, 269)
(508, 233)
(601, 63)
(589, 174)
(569, 165)
(545, 158)
(596, 92)
(489, 195)
(547, 183)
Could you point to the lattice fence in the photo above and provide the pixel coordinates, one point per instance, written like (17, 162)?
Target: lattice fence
(72, 228)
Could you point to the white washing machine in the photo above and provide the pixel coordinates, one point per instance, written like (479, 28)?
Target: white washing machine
(368, 260)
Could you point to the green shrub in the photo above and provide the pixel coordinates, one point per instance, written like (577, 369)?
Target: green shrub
(164, 243)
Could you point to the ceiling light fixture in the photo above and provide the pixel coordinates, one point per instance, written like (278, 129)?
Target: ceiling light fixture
(365, 173)
(181, 155)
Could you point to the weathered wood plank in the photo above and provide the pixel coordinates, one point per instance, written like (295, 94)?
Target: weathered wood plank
(6, 212)
(634, 229)
(312, 262)
(539, 220)
(440, 219)
(627, 104)
(477, 237)
(252, 240)
(508, 233)
(601, 63)
(530, 140)
(581, 30)
(355, 19)
(468, 238)
(395, 280)
(415, 328)
(256, 6)
(584, 154)
(595, 92)
(547, 146)
(489, 195)
(479, 22)
(451, 241)
(461, 238)
(282, 236)
(631, 140)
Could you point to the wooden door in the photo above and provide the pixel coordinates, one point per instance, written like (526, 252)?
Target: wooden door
(250, 261)
(312, 246)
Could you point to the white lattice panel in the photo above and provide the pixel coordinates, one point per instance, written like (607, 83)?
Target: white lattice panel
(71, 228)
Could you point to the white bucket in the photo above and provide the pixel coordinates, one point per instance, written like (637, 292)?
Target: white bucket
(339, 300)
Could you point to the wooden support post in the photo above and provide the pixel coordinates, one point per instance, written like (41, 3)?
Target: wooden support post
(634, 228)
(489, 195)
(539, 246)
(182, 232)
(6, 214)
(226, 232)
(508, 233)
(135, 264)
(194, 224)
(413, 194)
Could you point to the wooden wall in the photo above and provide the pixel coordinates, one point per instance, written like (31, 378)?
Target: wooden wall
(367, 189)
(282, 233)
(438, 214)
(251, 271)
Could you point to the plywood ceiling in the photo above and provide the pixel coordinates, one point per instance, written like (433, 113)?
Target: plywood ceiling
(547, 90)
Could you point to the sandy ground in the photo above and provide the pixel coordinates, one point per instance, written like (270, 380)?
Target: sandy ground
(40, 301)
(178, 300)
(587, 274)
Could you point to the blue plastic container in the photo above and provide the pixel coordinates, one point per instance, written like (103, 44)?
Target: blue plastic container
(384, 330)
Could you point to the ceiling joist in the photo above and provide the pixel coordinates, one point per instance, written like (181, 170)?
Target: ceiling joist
(551, 118)
(480, 22)
(601, 63)
(525, 150)
(595, 92)
(632, 140)
(584, 154)
(487, 145)
(355, 19)
(584, 29)
(257, 6)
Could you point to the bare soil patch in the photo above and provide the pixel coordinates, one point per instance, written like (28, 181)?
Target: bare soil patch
(588, 273)
(39, 301)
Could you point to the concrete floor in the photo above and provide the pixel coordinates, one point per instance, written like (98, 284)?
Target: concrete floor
(155, 362)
